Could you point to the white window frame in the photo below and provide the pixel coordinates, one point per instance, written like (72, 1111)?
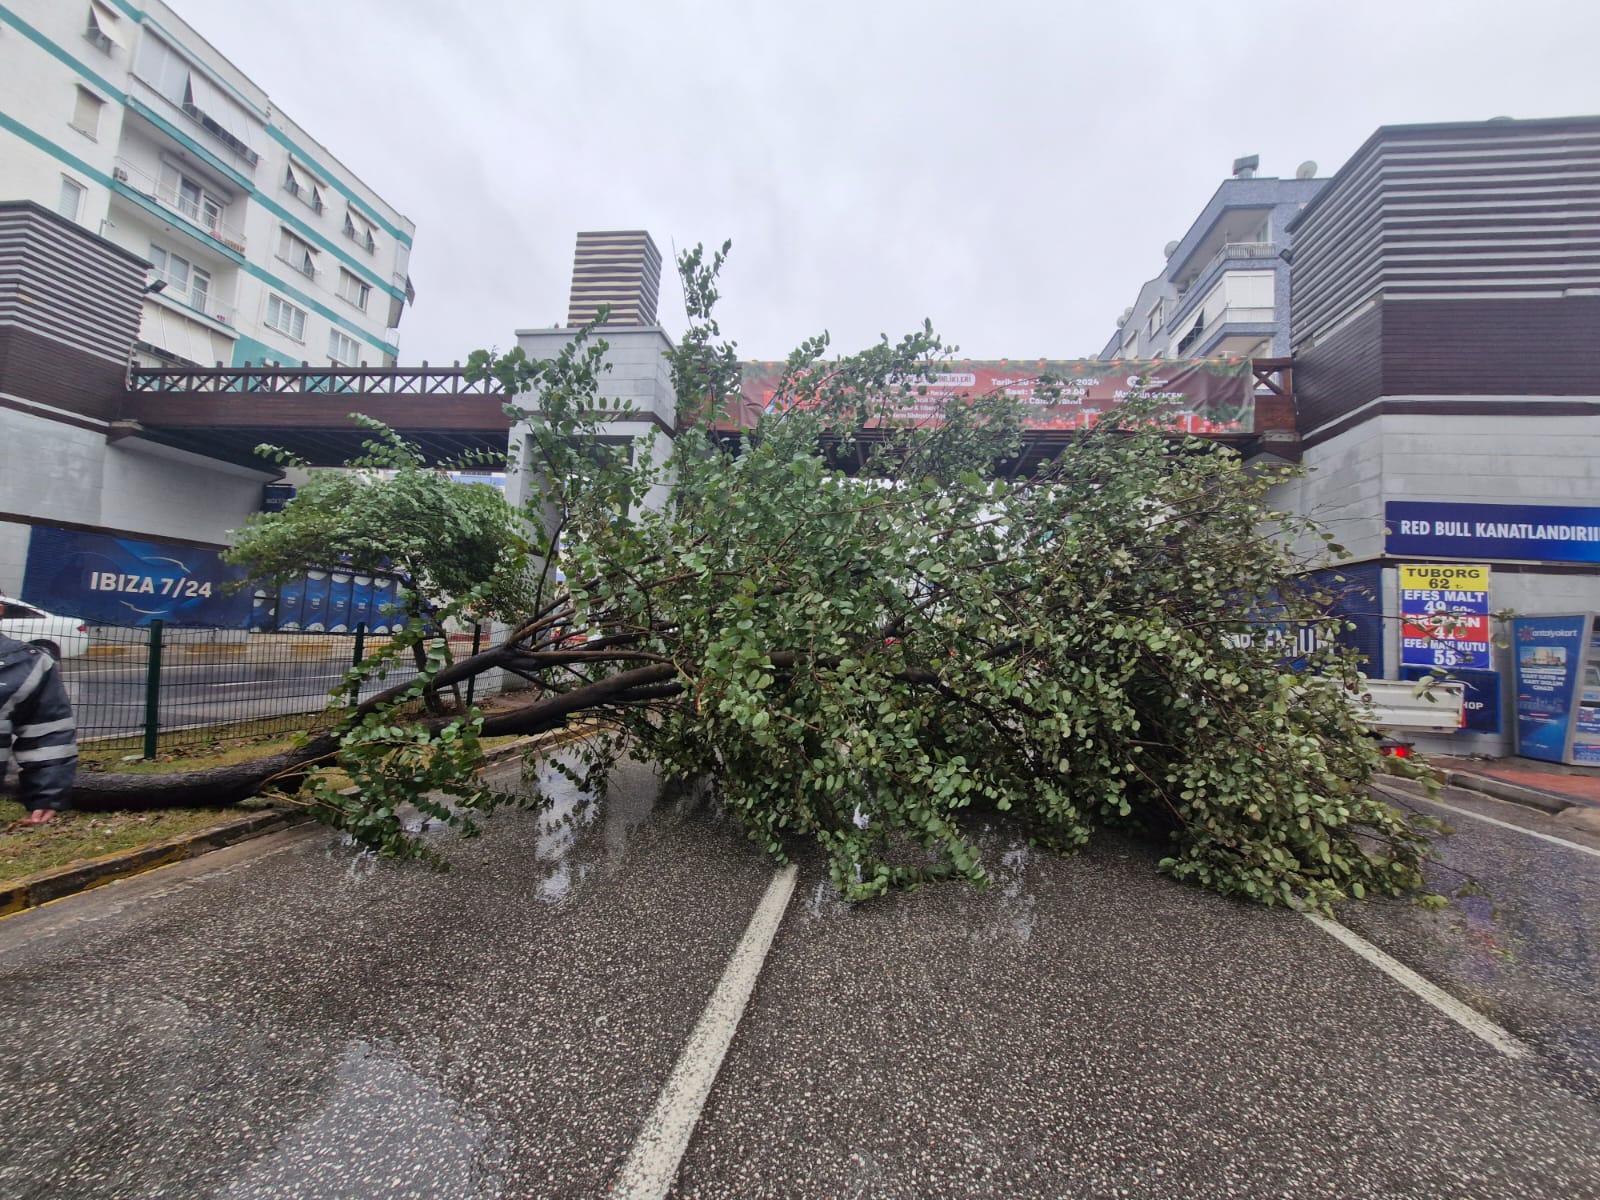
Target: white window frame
(360, 230)
(1157, 319)
(286, 318)
(70, 186)
(87, 110)
(206, 207)
(101, 28)
(297, 252)
(339, 341)
(353, 289)
(303, 185)
(192, 284)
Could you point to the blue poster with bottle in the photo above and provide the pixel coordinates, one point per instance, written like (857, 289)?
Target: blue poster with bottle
(263, 612)
(383, 601)
(339, 596)
(290, 598)
(314, 610)
(1549, 654)
(361, 601)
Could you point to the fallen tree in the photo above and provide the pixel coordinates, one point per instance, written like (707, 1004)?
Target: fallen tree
(858, 645)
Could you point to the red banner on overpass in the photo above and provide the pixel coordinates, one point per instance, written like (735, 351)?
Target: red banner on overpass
(1201, 395)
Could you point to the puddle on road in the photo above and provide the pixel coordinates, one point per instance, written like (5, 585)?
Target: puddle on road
(384, 1129)
(1008, 909)
(581, 833)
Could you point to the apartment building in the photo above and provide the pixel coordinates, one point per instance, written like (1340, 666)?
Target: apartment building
(1225, 287)
(262, 246)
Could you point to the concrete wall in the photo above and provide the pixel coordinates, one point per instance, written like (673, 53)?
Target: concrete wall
(49, 469)
(164, 492)
(55, 473)
(639, 372)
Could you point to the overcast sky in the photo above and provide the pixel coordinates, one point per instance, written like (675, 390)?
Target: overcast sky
(1010, 169)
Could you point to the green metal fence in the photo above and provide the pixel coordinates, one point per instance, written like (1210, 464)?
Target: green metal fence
(160, 688)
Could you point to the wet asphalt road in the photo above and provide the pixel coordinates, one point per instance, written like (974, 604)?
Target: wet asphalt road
(289, 1018)
(109, 695)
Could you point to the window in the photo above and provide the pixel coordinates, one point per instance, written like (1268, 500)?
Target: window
(343, 350)
(172, 267)
(286, 318)
(360, 230)
(71, 202)
(1194, 333)
(185, 281)
(353, 289)
(202, 101)
(101, 30)
(86, 114)
(1156, 318)
(296, 252)
(303, 185)
(192, 198)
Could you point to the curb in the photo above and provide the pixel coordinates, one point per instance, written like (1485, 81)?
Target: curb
(1499, 789)
(44, 886)
(40, 888)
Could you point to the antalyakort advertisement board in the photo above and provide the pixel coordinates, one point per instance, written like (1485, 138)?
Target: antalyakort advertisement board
(1444, 616)
(1549, 653)
(1201, 395)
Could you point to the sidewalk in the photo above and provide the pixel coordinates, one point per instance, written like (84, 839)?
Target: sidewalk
(80, 876)
(1550, 786)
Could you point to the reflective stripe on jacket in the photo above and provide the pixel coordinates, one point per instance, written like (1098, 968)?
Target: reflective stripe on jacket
(36, 725)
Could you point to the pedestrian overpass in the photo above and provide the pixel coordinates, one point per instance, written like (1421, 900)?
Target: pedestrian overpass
(225, 412)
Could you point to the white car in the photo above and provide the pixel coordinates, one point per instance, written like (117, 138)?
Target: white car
(59, 637)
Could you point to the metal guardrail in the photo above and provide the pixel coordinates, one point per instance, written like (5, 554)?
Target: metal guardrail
(158, 688)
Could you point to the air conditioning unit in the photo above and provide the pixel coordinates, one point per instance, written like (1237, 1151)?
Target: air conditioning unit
(120, 174)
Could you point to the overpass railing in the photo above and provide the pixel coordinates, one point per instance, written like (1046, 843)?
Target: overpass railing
(278, 380)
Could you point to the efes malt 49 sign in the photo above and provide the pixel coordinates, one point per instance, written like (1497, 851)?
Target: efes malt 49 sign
(1444, 616)
(1200, 395)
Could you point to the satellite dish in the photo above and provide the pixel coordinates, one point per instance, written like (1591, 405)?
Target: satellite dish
(1167, 250)
(1306, 170)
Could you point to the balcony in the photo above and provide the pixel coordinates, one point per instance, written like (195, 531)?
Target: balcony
(192, 204)
(1230, 252)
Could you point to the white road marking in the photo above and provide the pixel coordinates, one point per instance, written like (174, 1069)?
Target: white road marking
(1533, 833)
(653, 1163)
(1468, 1018)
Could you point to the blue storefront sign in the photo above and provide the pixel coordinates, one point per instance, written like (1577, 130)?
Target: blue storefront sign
(109, 580)
(1549, 653)
(1536, 532)
(1482, 696)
